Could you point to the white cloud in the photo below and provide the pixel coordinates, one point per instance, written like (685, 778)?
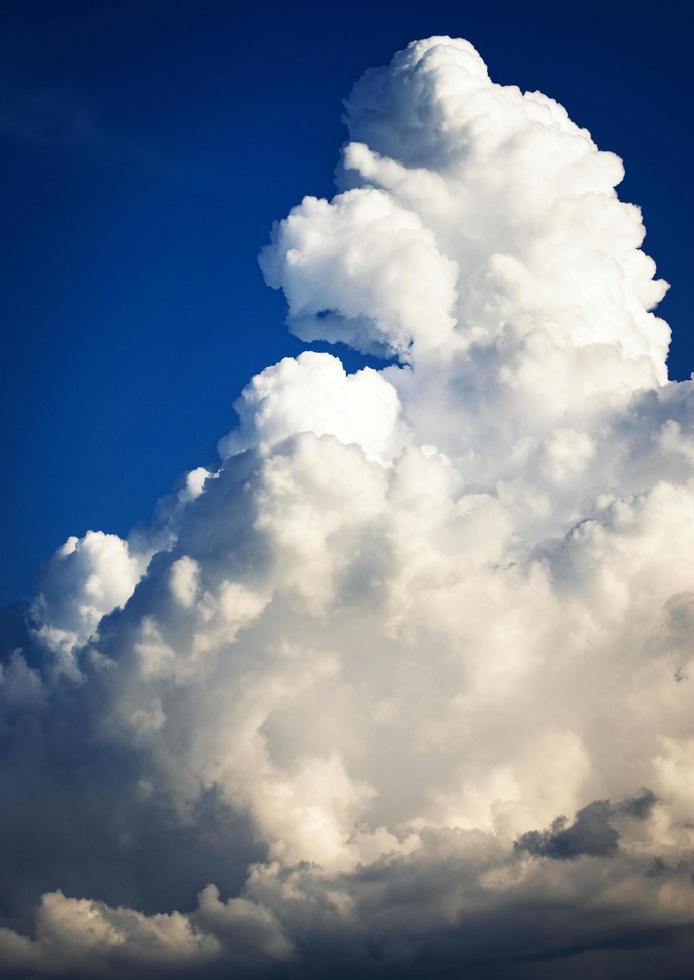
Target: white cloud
(363, 270)
(183, 580)
(414, 617)
(85, 580)
(314, 393)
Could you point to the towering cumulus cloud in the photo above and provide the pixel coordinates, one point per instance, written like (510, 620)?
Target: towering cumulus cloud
(402, 687)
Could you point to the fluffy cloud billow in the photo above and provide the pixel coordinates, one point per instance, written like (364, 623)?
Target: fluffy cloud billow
(402, 687)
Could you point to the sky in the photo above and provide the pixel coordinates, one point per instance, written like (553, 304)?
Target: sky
(351, 497)
(146, 150)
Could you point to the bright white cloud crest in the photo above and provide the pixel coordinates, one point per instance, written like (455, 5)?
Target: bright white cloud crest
(417, 614)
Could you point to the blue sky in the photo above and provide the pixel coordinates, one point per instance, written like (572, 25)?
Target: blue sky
(146, 150)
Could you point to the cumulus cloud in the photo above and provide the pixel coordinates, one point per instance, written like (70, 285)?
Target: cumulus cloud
(401, 688)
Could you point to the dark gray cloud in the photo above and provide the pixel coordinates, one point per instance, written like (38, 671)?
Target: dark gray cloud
(592, 832)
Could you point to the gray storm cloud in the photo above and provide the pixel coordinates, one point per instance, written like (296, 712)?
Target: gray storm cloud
(402, 687)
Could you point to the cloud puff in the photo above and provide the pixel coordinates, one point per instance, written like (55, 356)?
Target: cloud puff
(364, 270)
(314, 393)
(349, 678)
(86, 579)
(591, 832)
